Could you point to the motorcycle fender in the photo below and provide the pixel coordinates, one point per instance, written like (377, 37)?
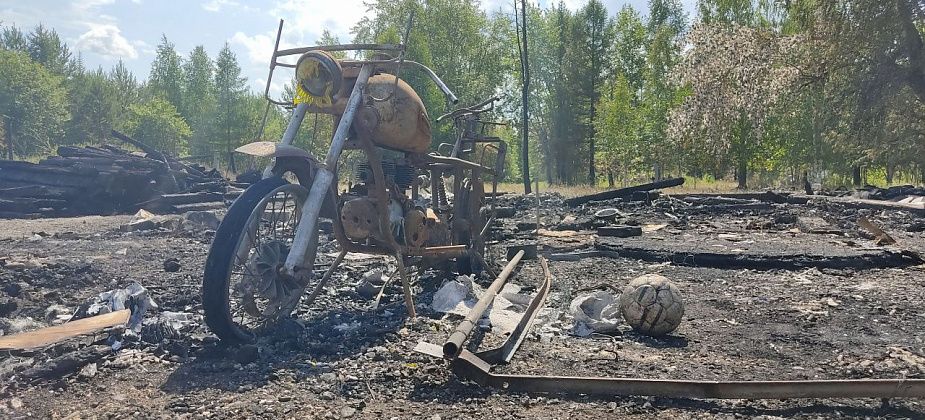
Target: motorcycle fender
(272, 149)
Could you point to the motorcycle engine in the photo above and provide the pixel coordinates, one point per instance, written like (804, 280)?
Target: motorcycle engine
(409, 224)
(396, 170)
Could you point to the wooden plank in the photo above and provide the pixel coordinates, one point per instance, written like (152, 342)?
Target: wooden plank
(57, 333)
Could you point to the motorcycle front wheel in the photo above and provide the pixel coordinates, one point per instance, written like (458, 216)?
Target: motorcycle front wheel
(245, 288)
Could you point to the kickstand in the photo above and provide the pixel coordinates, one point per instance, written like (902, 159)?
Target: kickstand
(406, 285)
(325, 278)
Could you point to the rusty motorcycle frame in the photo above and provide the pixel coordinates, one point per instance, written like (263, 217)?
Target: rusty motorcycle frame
(265, 254)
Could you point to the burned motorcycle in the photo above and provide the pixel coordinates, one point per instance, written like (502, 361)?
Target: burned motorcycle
(408, 203)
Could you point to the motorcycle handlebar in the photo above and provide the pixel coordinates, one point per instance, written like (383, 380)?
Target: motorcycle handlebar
(433, 76)
(469, 110)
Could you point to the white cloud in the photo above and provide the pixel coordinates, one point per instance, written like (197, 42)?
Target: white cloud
(106, 40)
(90, 4)
(259, 47)
(311, 17)
(216, 5)
(144, 47)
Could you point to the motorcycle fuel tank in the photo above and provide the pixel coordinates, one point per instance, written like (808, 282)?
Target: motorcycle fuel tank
(393, 116)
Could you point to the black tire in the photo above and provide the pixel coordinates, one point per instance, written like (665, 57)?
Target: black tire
(215, 296)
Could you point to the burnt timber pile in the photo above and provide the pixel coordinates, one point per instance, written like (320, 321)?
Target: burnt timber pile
(106, 180)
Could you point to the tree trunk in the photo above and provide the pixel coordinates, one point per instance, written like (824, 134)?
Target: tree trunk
(890, 172)
(9, 138)
(525, 78)
(610, 179)
(742, 173)
(592, 176)
(856, 175)
(547, 162)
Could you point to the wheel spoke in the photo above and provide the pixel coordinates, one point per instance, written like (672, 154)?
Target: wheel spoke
(267, 237)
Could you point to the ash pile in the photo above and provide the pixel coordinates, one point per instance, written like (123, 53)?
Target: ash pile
(106, 180)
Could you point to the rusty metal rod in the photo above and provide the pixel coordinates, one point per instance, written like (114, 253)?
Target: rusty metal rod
(472, 367)
(469, 366)
(504, 353)
(454, 344)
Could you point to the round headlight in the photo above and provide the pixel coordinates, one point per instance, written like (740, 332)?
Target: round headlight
(319, 74)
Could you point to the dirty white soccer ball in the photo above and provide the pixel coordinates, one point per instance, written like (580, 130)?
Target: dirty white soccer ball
(652, 305)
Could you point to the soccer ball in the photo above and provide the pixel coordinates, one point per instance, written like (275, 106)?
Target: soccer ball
(652, 305)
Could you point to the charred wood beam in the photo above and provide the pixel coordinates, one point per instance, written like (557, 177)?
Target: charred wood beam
(623, 192)
(877, 259)
(152, 152)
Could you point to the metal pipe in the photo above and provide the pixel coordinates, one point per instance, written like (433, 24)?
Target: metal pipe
(342, 47)
(324, 175)
(298, 114)
(433, 76)
(279, 33)
(454, 344)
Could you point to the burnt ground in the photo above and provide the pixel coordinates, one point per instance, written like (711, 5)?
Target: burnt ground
(818, 314)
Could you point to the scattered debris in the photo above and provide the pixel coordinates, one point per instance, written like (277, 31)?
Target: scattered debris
(881, 237)
(818, 225)
(66, 364)
(597, 312)
(607, 214)
(134, 297)
(619, 231)
(371, 283)
(172, 265)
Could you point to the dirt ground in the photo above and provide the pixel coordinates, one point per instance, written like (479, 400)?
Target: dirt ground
(820, 317)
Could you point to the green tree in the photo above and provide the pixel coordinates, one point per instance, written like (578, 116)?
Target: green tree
(665, 30)
(166, 76)
(12, 38)
(736, 77)
(629, 48)
(158, 124)
(593, 37)
(34, 101)
(617, 129)
(127, 91)
(231, 128)
(46, 48)
(93, 107)
(199, 99)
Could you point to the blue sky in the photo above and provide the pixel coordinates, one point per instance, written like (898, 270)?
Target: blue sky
(105, 31)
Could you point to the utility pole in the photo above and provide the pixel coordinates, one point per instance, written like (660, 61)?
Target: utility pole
(525, 79)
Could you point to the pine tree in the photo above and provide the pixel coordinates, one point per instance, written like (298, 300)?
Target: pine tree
(166, 74)
(229, 89)
(199, 99)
